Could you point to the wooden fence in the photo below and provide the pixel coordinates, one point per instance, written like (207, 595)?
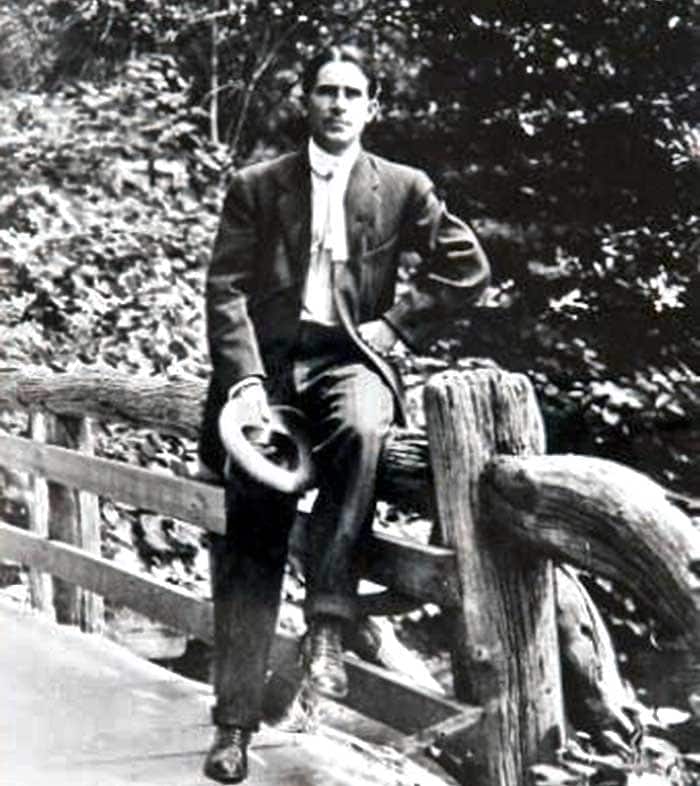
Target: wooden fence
(503, 511)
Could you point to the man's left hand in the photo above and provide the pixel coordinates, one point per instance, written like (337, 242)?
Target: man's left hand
(378, 335)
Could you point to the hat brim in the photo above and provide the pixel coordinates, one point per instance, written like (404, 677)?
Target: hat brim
(276, 455)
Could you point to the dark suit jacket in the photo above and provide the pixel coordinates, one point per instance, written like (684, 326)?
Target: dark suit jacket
(261, 254)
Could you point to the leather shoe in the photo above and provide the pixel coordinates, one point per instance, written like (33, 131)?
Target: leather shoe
(227, 760)
(324, 660)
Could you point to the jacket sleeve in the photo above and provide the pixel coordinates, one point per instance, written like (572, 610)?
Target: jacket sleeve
(233, 345)
(452, 274)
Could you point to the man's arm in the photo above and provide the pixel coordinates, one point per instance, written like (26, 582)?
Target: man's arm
(233, 345)
(453, 274)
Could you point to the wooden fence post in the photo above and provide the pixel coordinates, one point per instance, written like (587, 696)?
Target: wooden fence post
(75, 519)
(40, 583)
(89, 536)
(505, 651)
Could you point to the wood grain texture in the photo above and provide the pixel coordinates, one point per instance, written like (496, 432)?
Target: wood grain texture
(169, 405)
(423, 572)
(174, 406)
(607, 518)
(81, 711)
(597, 698)
(40, 583)
(199, 503)
(169, 605)
(374, 691)
(89, 525)
(505, 654)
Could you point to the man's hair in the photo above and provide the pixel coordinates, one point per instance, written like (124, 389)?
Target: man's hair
(339, 53)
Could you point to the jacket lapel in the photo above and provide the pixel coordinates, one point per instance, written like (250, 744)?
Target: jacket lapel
(362, 203)
(294, 209)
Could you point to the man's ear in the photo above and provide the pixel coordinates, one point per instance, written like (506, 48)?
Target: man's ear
(372, 109)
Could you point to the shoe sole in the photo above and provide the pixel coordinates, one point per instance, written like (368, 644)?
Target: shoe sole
(224, 779)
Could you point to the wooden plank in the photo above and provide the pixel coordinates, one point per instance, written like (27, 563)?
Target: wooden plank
(79, 710)
(381, 694)
(461, 729)
(199, 503)
(425, 572)
(174, 607)
(174, 406)
(420, 571)
(416, 573)
(40, 584)
(389, 698)
(63, 526)
(374, 691)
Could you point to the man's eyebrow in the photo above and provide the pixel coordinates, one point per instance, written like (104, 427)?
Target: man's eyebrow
(325, 87)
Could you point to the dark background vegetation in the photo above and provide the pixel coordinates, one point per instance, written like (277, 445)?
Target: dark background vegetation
(567, 132)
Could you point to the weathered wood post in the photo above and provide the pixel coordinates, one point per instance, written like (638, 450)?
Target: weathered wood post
(89, 535)
(40, 583)
(606, 518)
(505, 652)
(74, 518)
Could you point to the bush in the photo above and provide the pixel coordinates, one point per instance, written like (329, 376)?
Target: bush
(109, 211)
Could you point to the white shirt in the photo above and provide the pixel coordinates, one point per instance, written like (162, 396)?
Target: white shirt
(329, 243)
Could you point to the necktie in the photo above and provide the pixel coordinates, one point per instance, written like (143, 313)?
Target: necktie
(318, 298)
(325, 224)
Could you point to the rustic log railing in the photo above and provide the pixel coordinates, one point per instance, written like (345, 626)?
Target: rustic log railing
(503, 512)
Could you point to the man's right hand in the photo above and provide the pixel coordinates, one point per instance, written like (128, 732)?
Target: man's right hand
(250, 393)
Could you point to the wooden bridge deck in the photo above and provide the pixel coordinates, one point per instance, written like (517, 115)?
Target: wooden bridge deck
(79, 710)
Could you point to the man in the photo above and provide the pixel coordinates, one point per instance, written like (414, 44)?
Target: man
(301, 310)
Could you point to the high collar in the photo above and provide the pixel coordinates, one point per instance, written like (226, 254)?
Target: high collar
(324, 163)
(362, 201)
(294, 175)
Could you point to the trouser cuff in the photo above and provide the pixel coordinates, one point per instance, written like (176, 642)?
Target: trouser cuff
(222, 716)
(331, 606)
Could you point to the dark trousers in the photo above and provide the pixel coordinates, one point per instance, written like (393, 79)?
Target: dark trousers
(350, 409)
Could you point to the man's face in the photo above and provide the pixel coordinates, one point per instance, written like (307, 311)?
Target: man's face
(339, 106)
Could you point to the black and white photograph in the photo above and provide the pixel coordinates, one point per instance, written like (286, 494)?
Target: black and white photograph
(350, 393)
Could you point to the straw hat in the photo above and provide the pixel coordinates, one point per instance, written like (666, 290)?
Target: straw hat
(276, 454)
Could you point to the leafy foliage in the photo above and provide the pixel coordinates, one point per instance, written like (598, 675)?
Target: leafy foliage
(105, 225)
(566, 131)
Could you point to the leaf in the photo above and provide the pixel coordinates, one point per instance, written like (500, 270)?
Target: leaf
(109, 513)
(648, 779)
(694, 703)
(670, 716)
(659, 747)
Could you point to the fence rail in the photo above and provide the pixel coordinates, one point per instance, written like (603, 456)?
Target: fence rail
(60, 405)
(503, 512)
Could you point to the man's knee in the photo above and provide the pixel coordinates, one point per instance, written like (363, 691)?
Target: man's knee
(367, 426)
